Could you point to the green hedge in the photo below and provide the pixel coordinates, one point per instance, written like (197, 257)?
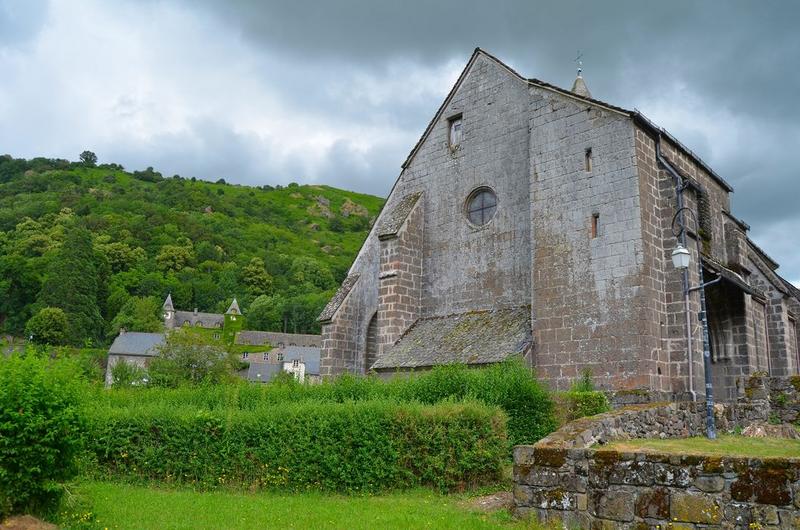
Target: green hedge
(40, 431)
(361, 446)
(509, 385)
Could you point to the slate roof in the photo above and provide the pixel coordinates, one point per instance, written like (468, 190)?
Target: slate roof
(266, 370)
(476, 337)
(338, 298)
(310, 356)
(392, 222)
(208, 320)
(136, 343)
(260, 338)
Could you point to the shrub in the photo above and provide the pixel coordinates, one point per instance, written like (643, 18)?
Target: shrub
(190, 357)
(48, 326)
(509, 385)
(582, 403)
(362, 446)
(125, 374)
(40, 431)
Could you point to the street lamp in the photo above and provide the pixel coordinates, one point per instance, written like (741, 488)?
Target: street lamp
(680, 259)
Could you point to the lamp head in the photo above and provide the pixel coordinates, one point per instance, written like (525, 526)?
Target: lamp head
(681, 257)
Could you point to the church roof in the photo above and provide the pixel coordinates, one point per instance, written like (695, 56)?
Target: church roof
(338, 298)
(392, 221)
(136, 343)
(476, 337)
(168, 303)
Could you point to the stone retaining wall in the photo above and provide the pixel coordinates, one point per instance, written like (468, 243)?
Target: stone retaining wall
(563, 477)
(780, 394)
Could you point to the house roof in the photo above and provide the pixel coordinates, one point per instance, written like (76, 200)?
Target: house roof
(207, 319)
(392, 222)
(136, 343)
(310, 356)
(338, 298)
(476, 337)
(260, 338)
(260, 371)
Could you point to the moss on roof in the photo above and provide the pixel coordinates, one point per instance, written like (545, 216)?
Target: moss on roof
(476, 337)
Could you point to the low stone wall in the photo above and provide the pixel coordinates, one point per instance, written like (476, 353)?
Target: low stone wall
(563, 477)
(780, 394)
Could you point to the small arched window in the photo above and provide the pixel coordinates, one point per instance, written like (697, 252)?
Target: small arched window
(481, 206)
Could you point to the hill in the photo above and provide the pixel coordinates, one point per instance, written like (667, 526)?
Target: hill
(203, 242)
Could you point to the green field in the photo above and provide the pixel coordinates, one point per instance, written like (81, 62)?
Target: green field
(724, 445)
(117, 506)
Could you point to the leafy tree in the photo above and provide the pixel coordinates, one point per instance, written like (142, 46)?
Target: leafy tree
(256, 277)
(138, 314)
(120, 256)
(190, 357)
(266, 313)
(308, 270)
(48, 326)
(175, 257)
(72, 285)
(88, 159)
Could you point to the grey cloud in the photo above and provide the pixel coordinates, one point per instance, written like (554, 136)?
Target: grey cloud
(733, 60)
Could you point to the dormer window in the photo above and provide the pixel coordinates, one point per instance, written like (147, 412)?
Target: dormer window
(454, 135)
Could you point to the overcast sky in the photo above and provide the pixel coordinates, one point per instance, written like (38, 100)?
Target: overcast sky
(338, 91)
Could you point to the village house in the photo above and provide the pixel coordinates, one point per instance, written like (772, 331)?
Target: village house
(538, 221)
(298, 354)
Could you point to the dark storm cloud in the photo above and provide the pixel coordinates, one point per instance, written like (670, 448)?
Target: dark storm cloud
(339, 91)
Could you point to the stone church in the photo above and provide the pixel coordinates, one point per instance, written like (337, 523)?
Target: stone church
(537, 221)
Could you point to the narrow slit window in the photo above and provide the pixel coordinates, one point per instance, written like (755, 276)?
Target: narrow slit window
(595, 222)
(588, 160)
(454, 134)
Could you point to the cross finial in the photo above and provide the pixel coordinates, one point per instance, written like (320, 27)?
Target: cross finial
(579, 60)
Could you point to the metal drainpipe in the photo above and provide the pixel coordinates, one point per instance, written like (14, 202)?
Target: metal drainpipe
(685, 275)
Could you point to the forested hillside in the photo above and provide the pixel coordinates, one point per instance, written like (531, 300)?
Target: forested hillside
(93, 240)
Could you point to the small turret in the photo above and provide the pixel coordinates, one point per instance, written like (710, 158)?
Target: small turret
(169, 312)
(579, 86)
(233, 309)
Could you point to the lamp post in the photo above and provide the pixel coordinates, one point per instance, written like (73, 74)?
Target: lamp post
(681, 258)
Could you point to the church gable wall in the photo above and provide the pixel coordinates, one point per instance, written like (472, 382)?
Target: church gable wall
(466, 267)
(588, 298)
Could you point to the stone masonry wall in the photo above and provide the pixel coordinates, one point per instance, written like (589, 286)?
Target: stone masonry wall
(400, 279)
(563, 478)
(781, 395)
(591, 306)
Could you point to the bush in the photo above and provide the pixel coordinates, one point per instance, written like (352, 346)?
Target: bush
(580, 404)
(125, 374)
(48, 326)
(40, 431)
(509, 385)
(365, 446)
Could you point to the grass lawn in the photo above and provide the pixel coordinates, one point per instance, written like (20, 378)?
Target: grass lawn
(121, 506)
(724, 445)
